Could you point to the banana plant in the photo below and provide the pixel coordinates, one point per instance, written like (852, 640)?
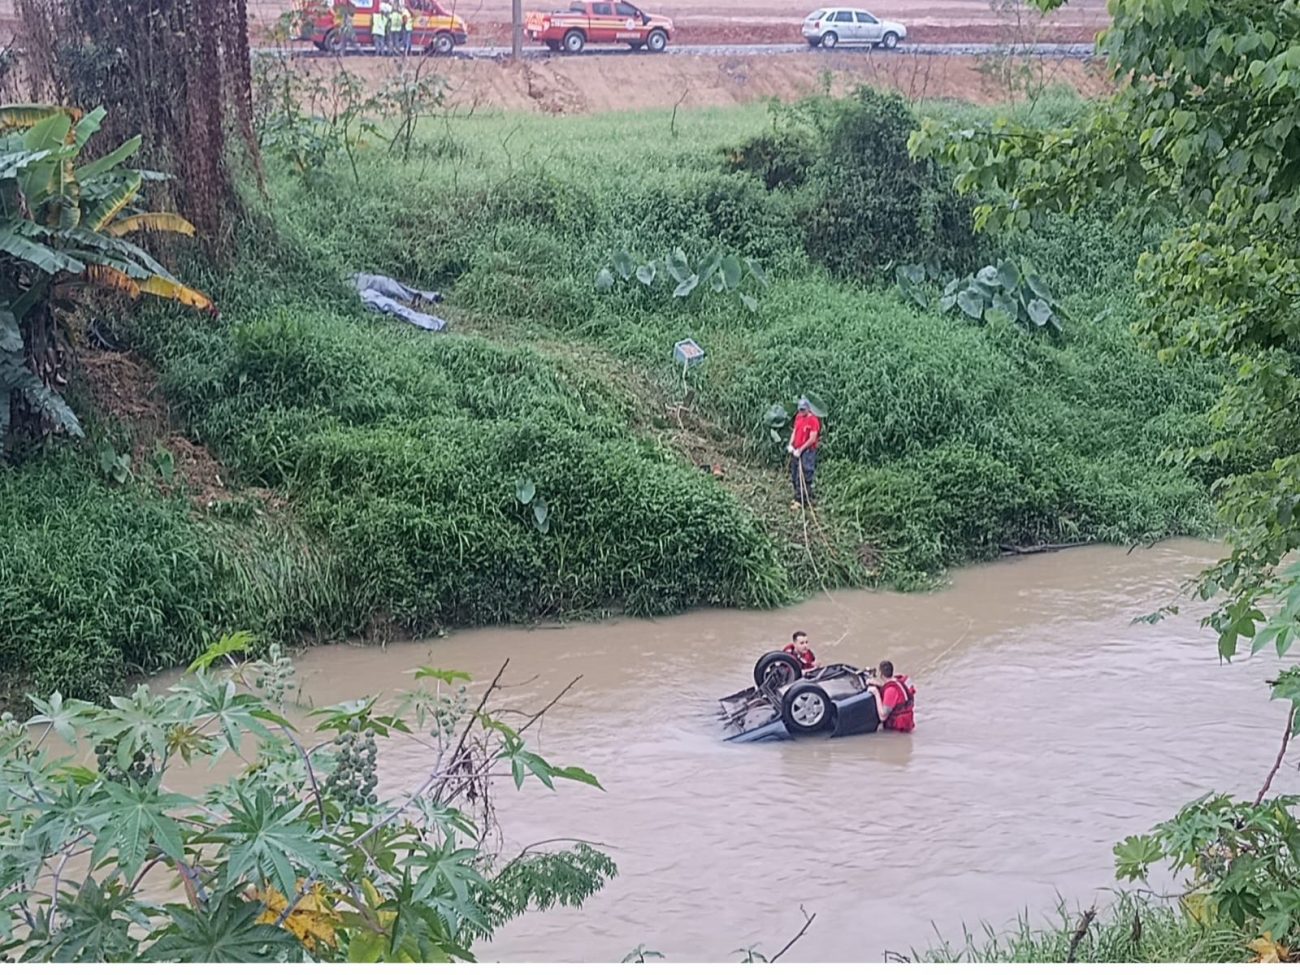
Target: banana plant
(65, 229)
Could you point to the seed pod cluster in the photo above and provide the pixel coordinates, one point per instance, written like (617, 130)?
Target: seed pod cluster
(277, 676)
(354, 780)
(140, 770)
(450, 713)
(9, 726)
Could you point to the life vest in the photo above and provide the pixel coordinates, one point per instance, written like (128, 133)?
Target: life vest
(805, 657)
(901, 718)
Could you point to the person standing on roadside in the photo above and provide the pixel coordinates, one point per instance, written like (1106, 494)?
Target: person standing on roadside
(395, 39)
(804, 440)
(408, 22)
(379, 29)
(343, 14)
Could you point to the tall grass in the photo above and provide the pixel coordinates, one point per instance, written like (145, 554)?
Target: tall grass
(401, 452)
(1132, 930)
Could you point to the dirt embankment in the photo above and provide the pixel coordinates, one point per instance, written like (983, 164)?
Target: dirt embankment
(577, 85)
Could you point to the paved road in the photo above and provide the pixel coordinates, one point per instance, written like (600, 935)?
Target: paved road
(1073, 51)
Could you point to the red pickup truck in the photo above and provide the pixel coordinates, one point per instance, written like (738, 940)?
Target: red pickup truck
(599, 22)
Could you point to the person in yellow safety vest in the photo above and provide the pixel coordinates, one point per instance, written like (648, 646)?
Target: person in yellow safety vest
(395, 31)
(408, 22)
(379, 28)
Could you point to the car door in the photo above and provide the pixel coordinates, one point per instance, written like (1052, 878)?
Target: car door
(869, 30)
(845, 26)
(630, 22)
(604, 25)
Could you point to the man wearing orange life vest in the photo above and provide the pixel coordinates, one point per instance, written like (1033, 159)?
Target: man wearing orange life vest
(801, 650)
(895, 699)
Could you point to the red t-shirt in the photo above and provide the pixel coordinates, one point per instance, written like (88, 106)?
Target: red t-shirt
(805, 425)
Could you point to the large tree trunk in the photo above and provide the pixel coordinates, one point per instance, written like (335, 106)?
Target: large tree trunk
(176, 72)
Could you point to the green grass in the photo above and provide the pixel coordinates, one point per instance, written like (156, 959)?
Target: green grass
(1131, 931)
(400, 452)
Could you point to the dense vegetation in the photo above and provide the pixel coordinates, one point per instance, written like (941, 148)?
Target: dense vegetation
(396, 456)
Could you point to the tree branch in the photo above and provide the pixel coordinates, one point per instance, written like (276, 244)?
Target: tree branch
(1281, 752)
(790, 944)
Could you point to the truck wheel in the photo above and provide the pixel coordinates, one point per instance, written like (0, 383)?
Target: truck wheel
(553, 45)
(830, 39)
(443, 43)
(657, 41)
(890, 41)
(574, 42)
(806, 708)
(333, 42)
(779, 664)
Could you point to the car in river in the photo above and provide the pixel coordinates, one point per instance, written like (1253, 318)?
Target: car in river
(833, 26)
(787, 702)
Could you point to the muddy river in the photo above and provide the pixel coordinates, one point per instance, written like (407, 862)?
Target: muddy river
(1048, 727)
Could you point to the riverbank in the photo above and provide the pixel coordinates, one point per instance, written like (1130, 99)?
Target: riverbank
(357, 477)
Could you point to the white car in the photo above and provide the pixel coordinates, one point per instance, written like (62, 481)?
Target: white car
(849, 25)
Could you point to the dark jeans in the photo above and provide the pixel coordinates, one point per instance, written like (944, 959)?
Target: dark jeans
(807, 464)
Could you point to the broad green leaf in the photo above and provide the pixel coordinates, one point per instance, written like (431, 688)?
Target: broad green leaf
(624, 264)
(1008, 275)
(61, 716)
(133, 816)
(732, 272)
(88, 126)
(971, 303)
(224, 932)
(265, 839)
(604, 280)
(446, 676)
(646, 274)
(989, 276)
(1040, 312)
(577, 775)
(172, 223)
(33, 252)
(525, 490)
(749, 302)
(107, 164)
(687, 286)
(678, 266)
(228, 646)
(756, 271)
(106, 210)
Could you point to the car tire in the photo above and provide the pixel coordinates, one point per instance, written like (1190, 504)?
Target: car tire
(657, 41)
(333, 42)
(777, 659)
(806, 709)
(574, 42)
(829, 39)
(889, 41)
(443, 44)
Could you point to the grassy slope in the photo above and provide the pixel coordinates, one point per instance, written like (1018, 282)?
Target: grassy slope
(400, 452)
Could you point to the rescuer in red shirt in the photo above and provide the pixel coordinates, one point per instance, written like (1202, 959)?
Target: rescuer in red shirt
(895, 699)
(804, 439)
(801, 649)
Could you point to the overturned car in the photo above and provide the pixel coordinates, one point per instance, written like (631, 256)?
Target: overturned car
(786, 702)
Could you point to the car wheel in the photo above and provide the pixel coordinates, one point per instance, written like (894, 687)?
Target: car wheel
(806, 708)
(830, 39)
(778, 664)
(890, 41)
(444, 44)
(333, 42)
(657, 41)
(574, 42)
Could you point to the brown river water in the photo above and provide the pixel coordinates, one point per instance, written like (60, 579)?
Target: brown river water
(1048, 727)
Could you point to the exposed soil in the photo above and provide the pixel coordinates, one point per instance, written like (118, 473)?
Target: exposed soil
(125, 389)
(562, 85)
